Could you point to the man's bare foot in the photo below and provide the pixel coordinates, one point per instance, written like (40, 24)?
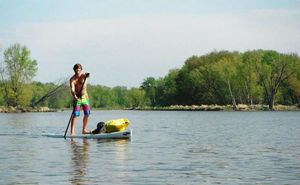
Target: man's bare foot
(86, 132)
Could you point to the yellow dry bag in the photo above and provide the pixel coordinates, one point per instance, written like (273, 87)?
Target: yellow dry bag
(116, 125)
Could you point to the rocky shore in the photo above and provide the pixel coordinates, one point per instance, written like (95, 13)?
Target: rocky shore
(26, 109)
(240, 107)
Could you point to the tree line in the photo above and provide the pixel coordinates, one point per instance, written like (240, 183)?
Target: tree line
(223, 77)
(17, 89)
(219, 77)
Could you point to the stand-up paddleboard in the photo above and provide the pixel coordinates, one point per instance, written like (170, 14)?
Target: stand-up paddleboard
(114, 135)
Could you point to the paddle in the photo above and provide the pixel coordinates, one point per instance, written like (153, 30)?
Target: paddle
(87, 74)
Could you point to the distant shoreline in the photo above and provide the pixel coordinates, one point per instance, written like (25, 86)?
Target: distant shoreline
(26, 109)
(240, 107)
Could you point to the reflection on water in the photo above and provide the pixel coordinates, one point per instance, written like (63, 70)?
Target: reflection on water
(82, 156)
(80, 160)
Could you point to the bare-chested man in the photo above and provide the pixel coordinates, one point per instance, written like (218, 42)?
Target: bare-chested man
(78, 86)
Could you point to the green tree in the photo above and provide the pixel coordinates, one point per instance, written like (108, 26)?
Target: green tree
(17, 70)
(227, 68)
(149, 86)
(167, 89)
(249, 78)
(199, 82)
(291, 87)
(294, 88)
(101, 96)
(120, 96)
(273, 69)
(136, 97)
(51, 95)
(1, 94)
(189, 81)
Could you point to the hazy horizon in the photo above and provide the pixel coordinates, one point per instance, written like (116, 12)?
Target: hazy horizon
(122, 42)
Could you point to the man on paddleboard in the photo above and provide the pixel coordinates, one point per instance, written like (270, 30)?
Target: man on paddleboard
(78, 87)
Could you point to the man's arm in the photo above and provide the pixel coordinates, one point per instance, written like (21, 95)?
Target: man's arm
(84, 86)
(72, 86)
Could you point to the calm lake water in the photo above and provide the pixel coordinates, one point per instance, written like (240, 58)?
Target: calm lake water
(166, 148)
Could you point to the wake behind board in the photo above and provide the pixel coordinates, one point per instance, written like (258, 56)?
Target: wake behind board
(126, 134)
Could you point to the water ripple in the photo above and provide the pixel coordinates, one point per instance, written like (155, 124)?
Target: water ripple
(166, 148)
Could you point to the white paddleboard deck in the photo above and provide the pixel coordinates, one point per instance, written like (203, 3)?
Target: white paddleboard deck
(114, 135)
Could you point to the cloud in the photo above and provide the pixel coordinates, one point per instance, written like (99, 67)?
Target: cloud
(124, 51)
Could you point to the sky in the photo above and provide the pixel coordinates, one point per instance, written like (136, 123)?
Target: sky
(122, 42)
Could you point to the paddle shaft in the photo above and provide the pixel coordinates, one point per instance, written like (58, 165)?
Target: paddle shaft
(68, 125)
(72, 115)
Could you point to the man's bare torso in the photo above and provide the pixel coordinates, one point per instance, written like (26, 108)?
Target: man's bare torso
(76, 83)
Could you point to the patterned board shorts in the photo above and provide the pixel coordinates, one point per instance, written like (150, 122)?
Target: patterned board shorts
(84, 102)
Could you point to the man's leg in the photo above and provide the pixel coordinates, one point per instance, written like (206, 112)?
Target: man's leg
(76, 114)
(87, 112)
(74, 119)
(85, 125)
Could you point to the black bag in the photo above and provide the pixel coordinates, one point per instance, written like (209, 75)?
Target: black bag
(100, 128)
